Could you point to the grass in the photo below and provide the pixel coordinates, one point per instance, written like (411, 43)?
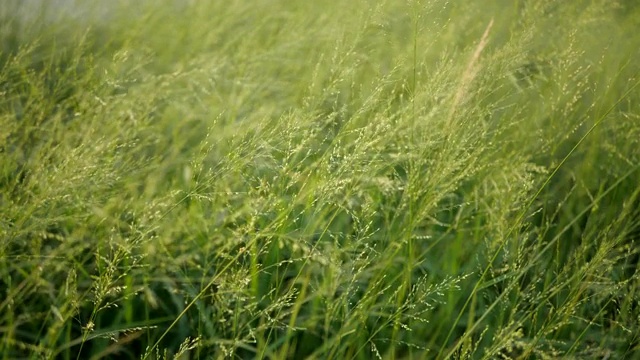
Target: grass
(353, 180)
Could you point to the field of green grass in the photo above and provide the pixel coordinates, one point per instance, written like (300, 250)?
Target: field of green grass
(288, 179)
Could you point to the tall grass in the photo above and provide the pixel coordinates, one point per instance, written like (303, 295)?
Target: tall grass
(345, 180)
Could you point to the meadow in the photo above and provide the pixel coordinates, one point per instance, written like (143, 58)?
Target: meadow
(284, 179)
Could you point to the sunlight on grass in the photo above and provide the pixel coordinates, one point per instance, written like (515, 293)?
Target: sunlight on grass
(288, 180)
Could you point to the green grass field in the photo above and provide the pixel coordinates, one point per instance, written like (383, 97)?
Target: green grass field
(284, 179)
